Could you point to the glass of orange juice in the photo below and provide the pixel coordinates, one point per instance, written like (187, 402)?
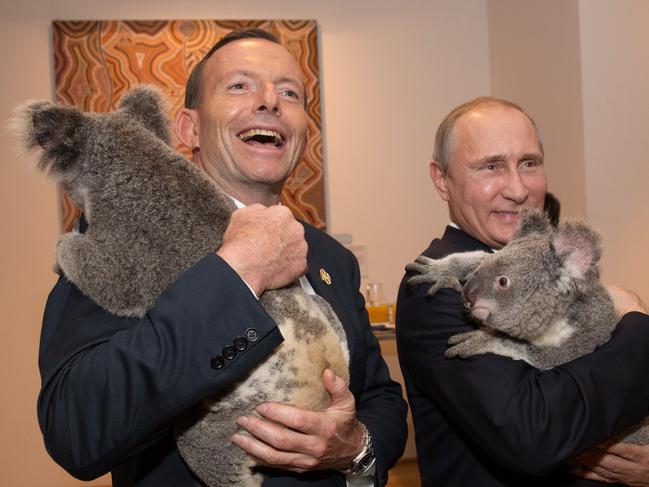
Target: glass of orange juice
(377, 306)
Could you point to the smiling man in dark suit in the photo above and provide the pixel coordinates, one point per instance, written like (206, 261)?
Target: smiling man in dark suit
(112, 387)
(489, 420)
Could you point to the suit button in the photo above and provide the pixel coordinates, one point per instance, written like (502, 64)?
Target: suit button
(229, 353)
(252, 335)
(217, 362)
(240, 344)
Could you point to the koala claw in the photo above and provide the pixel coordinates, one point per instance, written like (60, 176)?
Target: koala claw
(467, 344)
(446, 282)
(431, 271)
(421, 265)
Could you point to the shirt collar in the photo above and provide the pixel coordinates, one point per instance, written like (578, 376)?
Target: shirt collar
(239, 204)
(236, 202)
(454, 225)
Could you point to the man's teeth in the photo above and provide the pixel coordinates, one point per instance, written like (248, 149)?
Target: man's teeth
(262, 134)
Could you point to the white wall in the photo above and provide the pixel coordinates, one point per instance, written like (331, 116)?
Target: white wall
(535, 61)
(390, 71)
(388, 80)
(615, 67)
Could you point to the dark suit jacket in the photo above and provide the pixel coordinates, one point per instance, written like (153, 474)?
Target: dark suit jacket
(111, 387)
(492, 421)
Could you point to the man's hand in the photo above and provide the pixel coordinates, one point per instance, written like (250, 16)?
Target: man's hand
(611, 462)
(626, 301)
(293, 439)
(265, 246)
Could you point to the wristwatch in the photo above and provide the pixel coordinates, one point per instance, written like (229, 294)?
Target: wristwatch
(363, 463)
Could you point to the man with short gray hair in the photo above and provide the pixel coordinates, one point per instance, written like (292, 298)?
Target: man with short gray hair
(489, 420)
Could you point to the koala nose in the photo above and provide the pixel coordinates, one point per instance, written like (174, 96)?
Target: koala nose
(469, 292)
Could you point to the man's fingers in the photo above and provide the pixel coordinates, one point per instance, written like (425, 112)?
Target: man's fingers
(335, 385)
(265, 246)
(630, 451)
(301, 439)
(626, 300)
(342, 398)
(276, 435)
(267, 455)
(590, 475)
(604, 464)
(290, 417)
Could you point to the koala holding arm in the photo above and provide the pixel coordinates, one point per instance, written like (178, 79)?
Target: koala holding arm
(146, 331)
(493, 414)
(539, 299)
(113, 383)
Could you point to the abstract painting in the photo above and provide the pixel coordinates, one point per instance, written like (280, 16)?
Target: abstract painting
(97, 61)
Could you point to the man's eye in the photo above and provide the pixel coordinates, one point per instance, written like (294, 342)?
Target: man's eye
(290, 94)
(490, 167)
(530, 163)
(237, 86)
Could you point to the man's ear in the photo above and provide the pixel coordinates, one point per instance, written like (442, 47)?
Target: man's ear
(438, 176)
(187, 128)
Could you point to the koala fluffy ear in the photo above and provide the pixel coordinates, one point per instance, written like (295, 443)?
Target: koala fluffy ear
(579, 248)
(533, 221)
(55, 129)
(146, 104)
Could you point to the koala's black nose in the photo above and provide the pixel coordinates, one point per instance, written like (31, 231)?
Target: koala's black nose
(469, 292)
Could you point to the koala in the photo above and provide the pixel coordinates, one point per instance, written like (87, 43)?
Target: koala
(151, 215)
(539, 299)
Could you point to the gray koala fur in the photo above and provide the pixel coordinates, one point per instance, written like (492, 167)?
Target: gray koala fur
(152, 214)
(538, 299)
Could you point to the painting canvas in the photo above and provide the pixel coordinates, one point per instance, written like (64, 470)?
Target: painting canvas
(97, 61)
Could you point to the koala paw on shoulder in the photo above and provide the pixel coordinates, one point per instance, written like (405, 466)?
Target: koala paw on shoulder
(444, 273)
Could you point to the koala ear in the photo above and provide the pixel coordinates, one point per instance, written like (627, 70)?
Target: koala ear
(579, 248)
(533, 221)
(146, 104)
(55, 129)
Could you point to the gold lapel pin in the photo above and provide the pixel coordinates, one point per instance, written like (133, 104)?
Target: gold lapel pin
(324, 275)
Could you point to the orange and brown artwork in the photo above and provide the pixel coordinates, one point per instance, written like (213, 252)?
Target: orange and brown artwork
(97, 61)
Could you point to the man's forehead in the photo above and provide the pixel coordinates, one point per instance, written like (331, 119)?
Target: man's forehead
(253, 56)
(244, 71)
(486, 114)
(491, 134)
(502, 122)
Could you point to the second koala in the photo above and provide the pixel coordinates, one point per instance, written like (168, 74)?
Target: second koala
(539, 299)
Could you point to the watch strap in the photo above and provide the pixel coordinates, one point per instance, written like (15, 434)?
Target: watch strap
(363, 463)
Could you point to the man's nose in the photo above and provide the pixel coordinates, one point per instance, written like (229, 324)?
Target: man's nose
(268, 99)
(515, 188)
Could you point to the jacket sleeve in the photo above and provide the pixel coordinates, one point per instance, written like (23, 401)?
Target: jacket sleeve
(525, 419)
(111, 386)
(380, 406)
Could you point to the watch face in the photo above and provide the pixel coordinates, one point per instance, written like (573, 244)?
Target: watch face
(366, 462)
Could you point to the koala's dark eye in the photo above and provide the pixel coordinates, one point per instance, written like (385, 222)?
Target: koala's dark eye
(503, 282)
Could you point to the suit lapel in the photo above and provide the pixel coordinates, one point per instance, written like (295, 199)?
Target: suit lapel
(323, 281)
(457, 238)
